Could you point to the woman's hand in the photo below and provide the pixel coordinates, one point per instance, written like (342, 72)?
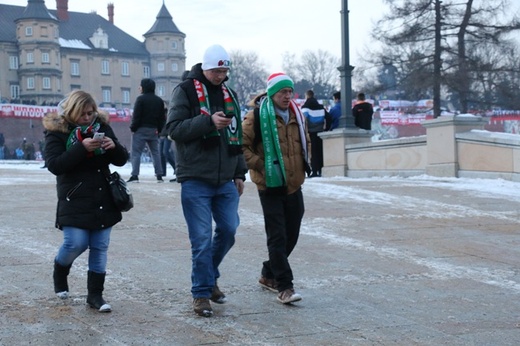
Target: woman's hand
(92, 144)
(107, 143)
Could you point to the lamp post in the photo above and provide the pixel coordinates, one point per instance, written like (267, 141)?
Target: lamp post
(345, 72)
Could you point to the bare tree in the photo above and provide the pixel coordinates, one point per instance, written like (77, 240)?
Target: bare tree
(247, 76)
(316, 70)
(409, 42)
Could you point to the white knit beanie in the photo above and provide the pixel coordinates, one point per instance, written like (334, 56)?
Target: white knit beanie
(215, 57)
(278, 81)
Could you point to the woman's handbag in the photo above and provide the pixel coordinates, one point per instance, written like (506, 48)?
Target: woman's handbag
(120, 193)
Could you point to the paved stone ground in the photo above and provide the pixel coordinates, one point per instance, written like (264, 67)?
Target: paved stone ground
(395, 262)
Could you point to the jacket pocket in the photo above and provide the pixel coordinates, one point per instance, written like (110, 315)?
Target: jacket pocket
(71, 192)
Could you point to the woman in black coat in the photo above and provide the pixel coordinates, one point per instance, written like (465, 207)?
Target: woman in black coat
(85, 211)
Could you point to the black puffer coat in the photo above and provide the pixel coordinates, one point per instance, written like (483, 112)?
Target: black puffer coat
(84, 199)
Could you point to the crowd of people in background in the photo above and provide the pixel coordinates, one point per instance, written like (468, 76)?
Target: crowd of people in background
(24, 151)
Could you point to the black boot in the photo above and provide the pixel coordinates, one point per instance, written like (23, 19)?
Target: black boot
(95, 284)
(61, 287)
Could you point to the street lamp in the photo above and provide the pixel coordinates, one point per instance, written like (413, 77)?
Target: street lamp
(345, 72)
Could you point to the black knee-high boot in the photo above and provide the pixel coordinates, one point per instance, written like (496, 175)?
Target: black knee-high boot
(95, 285)
(61, 286)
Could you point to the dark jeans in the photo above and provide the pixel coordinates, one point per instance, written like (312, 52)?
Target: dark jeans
(316, 153)
(167, 154)
(282, 216)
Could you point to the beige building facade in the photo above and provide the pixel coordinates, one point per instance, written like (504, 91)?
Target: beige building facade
(45, 54)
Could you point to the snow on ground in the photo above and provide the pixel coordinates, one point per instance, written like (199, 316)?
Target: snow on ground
(323, 186)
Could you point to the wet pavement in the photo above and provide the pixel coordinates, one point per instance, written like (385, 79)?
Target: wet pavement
(379, 262)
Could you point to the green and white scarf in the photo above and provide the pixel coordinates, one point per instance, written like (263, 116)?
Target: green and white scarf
(275, 175)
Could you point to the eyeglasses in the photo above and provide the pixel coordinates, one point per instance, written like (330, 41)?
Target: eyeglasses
(220, 71)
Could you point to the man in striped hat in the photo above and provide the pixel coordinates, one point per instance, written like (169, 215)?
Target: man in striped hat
(276, 146)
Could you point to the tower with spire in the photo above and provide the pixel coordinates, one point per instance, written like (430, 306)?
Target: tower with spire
(39, 72)
(165, 43)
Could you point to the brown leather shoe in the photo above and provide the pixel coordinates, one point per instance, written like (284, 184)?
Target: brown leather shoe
(269, 284)
(288, 296)
(202, 307)
(217, 296)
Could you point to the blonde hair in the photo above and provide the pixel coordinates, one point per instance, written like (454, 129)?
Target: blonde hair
(71, 108)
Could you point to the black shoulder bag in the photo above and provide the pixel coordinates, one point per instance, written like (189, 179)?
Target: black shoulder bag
(120, 193)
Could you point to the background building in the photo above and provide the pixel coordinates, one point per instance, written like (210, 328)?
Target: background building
(45, 54)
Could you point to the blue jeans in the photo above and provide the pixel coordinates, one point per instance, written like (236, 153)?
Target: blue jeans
(77, 240)
(202, 203)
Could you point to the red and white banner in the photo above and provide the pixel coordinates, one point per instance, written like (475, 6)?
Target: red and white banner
(11, 110)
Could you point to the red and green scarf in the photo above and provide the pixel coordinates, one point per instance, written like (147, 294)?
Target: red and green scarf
(234, 130)
(81, 132)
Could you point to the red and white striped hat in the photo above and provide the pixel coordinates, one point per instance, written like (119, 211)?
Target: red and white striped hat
(278, 81)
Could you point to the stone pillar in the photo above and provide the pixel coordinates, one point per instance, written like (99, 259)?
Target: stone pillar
(334, 149)
(441, 144)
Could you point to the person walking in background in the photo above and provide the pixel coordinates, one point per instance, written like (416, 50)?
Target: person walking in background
(335, 111)
(147, 122)
(318, 120)
(362, 113)
(86, 212)
(276, 146)
(167, 152)
(204, 121)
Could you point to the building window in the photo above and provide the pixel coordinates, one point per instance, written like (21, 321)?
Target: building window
(13, 62)
(58, 84)
(175, 67)
(125, 70)
(126, 96)
(28, 31)
(15, 91)
(46, 83)
(160, 90)
(174, 45)
(45, 58)
(105, 67)
(30, 83)
(74, 68)
(30, 58)
(75, 87)
(160, 67)
(107, 97)
(146, 71)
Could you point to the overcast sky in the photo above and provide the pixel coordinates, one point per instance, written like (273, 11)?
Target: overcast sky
(269, 27)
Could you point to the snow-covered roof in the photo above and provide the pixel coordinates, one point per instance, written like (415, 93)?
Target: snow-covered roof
(78, 44)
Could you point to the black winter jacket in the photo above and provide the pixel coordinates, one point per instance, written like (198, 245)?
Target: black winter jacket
(148, 112)
(84, 198)
(213, 164)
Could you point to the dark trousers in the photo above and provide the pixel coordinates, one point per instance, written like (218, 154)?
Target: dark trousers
(316, 153)
(167, 154)
(282, 216)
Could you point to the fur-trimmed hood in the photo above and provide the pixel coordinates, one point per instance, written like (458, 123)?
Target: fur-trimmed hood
(255, 102)
(55, 122)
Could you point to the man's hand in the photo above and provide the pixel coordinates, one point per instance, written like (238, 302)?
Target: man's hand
(220, 121)
(239, 183)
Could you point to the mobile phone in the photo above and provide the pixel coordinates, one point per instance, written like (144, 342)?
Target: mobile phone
(99, 135)
(230, 115)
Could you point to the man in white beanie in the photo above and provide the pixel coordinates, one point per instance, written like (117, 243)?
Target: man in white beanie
(276, 147)
(204, 121)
